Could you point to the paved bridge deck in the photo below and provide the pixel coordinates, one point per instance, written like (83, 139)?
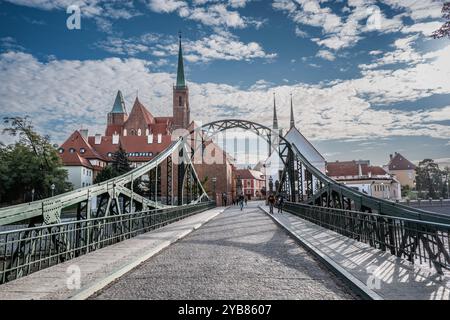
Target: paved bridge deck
(236, 255)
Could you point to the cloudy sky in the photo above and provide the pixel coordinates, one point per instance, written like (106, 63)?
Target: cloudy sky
(366, 77)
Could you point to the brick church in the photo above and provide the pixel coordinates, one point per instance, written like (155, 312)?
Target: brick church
(141, 134)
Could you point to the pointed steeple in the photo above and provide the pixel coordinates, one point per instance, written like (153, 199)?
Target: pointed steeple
(275, 119)
(180, 71)
(292, 115)
(119, 104)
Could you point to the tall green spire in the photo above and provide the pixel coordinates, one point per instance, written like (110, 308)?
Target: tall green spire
(180, 71)
(275, 119)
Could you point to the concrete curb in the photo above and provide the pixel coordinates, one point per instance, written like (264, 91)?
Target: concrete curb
(88, 291)
(355, 284)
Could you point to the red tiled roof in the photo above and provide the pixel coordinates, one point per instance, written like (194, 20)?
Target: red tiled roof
(351, 168)
(139, 112)
(74, 159)
(399, 162)
(132, 144)
(163, 119)
(249, 174)
(77, 142)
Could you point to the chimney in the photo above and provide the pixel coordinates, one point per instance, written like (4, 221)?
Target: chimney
(84, 133)
(98, 138)
(115, 138)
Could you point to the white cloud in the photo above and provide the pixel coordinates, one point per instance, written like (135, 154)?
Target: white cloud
(403, 53)
(102, 11)
(69, 94)
(358, 18)
(223, 46)
(210, 13)
(325, 54)
(425, 28)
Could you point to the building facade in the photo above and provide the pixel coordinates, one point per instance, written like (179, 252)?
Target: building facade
(143, 136)
(360, 175)
(252, 183)
(403, 170)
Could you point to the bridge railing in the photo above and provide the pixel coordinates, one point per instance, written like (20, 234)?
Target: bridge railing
(418, 241)
(25, 251)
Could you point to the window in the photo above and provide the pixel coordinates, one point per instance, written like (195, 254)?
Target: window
(71, 150)
(180, 101)
(159, 137)
(139, 132)
(109, 154)
(82, 150)
(61, 150)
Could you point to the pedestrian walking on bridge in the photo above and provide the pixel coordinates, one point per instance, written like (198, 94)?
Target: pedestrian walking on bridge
(280, 203)
(241, 201)
(271, 200)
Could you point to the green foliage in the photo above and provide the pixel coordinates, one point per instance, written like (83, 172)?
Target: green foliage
(444, 30)
(31, 163)
(431, 180)
(120, 162)
(119, 166)
(106, 174)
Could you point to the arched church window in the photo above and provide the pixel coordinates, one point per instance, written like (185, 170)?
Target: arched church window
(124, 132)
(147, 132)
(139, 132)
(180, 101)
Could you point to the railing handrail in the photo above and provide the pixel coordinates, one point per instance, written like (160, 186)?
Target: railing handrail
(162, 210)
(431, 223)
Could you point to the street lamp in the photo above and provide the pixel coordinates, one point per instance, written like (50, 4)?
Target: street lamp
(214, 180)
(53, 189)
(271, 184)
(265, 182)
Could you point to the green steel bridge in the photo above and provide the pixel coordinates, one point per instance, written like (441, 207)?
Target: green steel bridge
(39, 236)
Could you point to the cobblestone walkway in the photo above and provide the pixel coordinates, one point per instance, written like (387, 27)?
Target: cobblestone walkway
(237, 255)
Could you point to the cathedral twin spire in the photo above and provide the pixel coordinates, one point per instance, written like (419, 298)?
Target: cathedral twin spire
(275, 118)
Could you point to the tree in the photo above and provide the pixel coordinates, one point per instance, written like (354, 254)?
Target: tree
(429, 178)
(446, 182)
(120, 165)
(106, 174)
(29, 164)
(120, 162)
(444, 31)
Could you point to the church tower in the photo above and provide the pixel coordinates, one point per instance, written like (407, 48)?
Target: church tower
(181, 111)
(117, 117)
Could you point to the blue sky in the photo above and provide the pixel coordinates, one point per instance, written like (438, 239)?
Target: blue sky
(366, 77)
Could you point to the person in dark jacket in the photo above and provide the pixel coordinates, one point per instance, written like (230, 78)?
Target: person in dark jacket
(271, 200)
(280, 203)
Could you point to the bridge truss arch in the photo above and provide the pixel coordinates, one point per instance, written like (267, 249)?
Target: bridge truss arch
(300, 182)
